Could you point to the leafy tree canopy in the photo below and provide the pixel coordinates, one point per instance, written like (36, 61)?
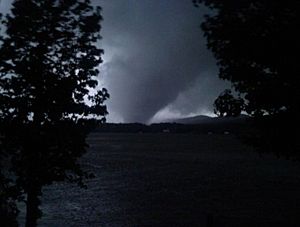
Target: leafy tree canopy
(226, 105)
(256, 43)
(48, 66)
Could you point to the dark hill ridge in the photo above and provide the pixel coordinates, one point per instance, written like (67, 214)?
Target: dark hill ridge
(190, 120)
(203, 119)
(197, 124)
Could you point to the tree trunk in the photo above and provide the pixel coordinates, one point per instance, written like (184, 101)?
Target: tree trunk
(32, 208)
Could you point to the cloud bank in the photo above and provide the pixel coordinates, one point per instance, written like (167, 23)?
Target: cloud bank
(156, 60)
(156, 64)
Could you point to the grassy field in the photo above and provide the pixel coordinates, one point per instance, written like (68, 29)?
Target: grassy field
(176, 180)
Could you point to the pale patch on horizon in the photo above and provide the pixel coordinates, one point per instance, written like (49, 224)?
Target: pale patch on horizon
(113, 117)
(167, 113)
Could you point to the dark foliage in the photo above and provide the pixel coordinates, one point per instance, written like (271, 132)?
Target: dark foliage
(8, 208)
(48, 63)
(256, 44)
(226, 105)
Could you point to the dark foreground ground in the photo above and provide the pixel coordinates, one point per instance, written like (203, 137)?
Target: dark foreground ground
(177, 180)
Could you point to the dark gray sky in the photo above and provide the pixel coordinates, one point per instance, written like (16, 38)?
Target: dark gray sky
(156, 64)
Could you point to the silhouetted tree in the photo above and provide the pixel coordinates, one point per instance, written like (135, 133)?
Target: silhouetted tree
(8, 209)
(48, 65)
(226, 105)
(255, 43)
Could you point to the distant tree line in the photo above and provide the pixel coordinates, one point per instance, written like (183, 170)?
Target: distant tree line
(215, 126)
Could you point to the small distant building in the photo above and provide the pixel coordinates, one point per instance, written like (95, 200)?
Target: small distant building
(166, 130)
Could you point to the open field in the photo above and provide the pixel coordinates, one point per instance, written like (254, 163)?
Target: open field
(176, 180)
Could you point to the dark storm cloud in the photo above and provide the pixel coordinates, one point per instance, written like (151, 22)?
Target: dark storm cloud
(5, 5)
(156, 58)
(156, 62)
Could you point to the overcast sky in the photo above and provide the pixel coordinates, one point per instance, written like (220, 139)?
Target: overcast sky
(156, 64)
